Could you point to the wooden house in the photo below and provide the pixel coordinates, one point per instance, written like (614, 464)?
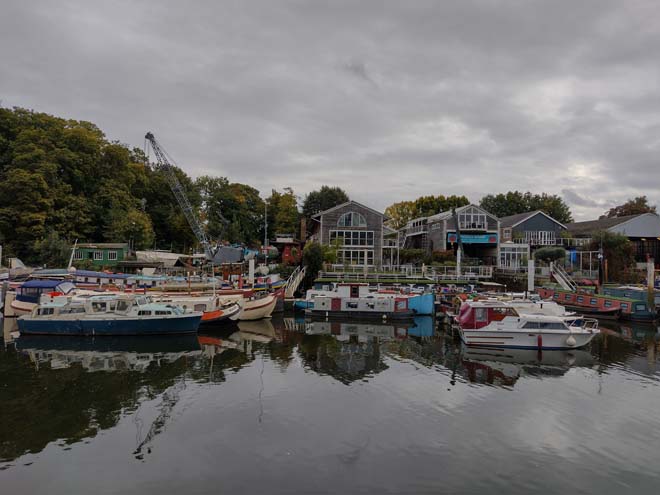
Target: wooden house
(358, 230)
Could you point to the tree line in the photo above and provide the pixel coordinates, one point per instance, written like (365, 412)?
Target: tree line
(62, 180)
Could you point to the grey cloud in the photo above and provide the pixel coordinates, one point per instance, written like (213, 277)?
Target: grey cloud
(467, 97)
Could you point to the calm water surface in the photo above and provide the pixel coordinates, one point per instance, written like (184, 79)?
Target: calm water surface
(285, 406)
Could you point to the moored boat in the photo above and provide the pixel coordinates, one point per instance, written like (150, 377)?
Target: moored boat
(600, 305)
(109, 315)
(498, 324)
(258, 308)
(355, 300)
(215, 309)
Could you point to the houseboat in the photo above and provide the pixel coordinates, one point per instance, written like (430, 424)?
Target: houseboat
(355, 300)
(419, 304)
(632, 292)
(600, 305)
(109, 315)
(498, 324)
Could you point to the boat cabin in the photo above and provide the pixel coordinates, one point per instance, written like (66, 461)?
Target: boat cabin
(481, 314)
(32, 290)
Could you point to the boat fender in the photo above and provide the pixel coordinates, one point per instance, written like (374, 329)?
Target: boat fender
(539, 341)
(570, 341)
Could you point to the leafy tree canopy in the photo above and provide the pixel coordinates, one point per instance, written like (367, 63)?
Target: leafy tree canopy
(283, 214)
(323, 199)
(514, 202)
(633, 206)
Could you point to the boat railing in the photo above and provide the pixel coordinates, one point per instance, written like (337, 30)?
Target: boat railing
(590, 324)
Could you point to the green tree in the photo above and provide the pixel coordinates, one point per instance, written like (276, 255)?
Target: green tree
(399, 214)
(283, 215)
(550, 254)
(233, 211)
(52, 250)
(25, 205)
(618, 252)
(323, 199)
(514, 202)
(313, 259)
(132, 226)
(634, 206)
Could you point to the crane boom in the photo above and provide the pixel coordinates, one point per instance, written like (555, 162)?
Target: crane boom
(180, 195)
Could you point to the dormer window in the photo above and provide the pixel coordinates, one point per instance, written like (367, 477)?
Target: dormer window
(352, 219)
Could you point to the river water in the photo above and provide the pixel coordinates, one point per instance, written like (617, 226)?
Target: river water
(284, 406)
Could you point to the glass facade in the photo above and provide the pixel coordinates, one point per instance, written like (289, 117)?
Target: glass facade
(358, 257)
(353, 237)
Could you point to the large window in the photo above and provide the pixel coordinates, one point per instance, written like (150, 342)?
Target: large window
(78, 255)
(472, 219)
(540, 237)
(351, 219)
(353, 237)
(112, 255)
(98, 255)
(355, 257)
(513, 255)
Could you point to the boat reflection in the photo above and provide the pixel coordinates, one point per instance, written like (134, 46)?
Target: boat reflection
(505, 366)
(107, 353)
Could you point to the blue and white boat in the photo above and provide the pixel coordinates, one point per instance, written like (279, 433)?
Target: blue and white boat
(109, 315)
(29, 294)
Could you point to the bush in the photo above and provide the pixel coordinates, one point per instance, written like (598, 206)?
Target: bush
(550, 254)
(444, 255)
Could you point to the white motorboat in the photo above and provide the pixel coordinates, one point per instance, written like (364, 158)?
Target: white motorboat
(499, 324)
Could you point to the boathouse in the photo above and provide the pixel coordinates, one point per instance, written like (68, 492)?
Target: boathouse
(480, 233)
(101, 254)
(643, 230)
(359, 230)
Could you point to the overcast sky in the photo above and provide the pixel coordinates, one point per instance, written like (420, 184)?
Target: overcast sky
(388, 100)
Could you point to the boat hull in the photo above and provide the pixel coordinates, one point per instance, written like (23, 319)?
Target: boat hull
(258, 308)
(182, 324)
(220, 315)
(526, 340)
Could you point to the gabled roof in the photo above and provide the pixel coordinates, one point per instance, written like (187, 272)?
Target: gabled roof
(581, 228)
(514, 220)
(329, 210)
(449, 213)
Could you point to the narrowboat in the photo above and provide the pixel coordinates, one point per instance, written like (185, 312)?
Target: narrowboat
(498, 324)
(355, 300)
(633, 292)
(109, 315)
(602, 306)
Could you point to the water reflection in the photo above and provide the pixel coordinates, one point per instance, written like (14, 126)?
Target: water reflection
(64, 391)
(505, 366)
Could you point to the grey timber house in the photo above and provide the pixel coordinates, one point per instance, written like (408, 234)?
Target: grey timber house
(479, 229)
(535, 228)
(358, 228)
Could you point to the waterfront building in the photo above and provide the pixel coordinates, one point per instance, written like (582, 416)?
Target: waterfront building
(289, 247)
(521, 234)
(480, 233)
(535, 228)
(643, 230)
(101, 254)
(357, 228)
